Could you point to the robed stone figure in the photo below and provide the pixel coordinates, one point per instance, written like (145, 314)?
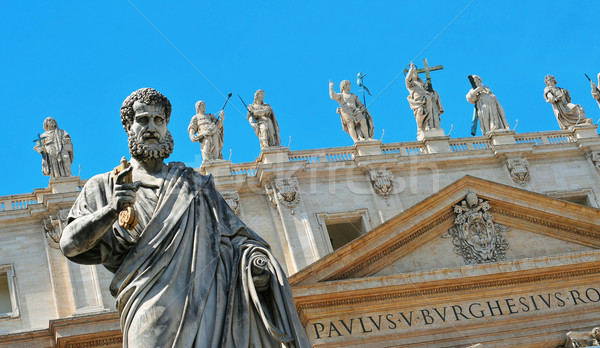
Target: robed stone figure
(56, 149)
(596, 91)
(567, 114)
(208, 130)
(262, 119)
(487, 108)
(190, 273)
(424, 101)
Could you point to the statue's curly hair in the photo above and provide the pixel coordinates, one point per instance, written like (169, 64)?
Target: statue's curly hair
(148, 96)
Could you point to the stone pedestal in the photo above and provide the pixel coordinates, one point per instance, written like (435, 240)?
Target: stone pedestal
(368, 147)
(217, 167)
(502, 137)
(66, 184)
(274, 154)
(435, 140)
(585, 131)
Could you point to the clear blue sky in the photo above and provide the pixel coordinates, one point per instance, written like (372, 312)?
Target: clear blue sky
(77, 61)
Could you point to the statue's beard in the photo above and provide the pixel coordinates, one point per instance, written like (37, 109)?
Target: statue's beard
(143, 152)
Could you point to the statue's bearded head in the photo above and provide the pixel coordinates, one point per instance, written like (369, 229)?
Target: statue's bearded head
(49, 124)
(145, 115)
(345, 86)
(477, 80)
(200, 107)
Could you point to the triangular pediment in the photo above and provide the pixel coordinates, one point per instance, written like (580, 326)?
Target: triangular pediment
(529, 225)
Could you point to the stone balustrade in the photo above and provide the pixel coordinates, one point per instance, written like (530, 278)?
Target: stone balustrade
(16, 202)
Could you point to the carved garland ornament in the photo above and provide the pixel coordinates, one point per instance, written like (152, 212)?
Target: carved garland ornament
(287, 193)
(595, 157)
(382, 182)
(519, 170)
(53, 226)
(475, 236)
(233, 199)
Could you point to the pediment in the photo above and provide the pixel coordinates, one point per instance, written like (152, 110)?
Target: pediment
(531, 226)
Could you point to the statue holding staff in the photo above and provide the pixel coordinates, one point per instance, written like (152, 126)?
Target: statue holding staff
(262, 119)
(356, 119)
(207, 129)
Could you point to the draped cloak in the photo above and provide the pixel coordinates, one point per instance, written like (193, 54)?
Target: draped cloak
(182, 276)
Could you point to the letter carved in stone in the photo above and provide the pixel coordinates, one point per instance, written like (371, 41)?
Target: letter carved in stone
(287, 192)
(519, 170)
(233, 199)
(475, 235)
(382, 182)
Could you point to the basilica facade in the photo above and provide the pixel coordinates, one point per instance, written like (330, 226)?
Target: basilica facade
(441, 242)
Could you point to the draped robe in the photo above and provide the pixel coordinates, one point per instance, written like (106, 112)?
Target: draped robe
(182, 276)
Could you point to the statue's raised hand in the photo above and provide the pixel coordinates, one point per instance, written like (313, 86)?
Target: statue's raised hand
(123, 192)
(330, 84)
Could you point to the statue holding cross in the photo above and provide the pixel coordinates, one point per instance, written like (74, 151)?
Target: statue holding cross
(423, 99)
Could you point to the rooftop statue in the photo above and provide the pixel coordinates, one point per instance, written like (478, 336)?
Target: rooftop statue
(187, 271)
(56, 149)
(424, 101)
(487, 108)
(208, 130)
(356, 119)
(262, 119)
(567, 114)
(595, 90)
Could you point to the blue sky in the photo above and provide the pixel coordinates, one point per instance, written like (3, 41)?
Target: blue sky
(78, 60)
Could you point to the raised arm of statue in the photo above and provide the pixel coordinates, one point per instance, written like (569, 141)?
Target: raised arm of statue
(82, 234)
(221, 119)
(332, 93)
(411, 76)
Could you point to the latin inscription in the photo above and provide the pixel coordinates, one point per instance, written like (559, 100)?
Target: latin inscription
(453, 313)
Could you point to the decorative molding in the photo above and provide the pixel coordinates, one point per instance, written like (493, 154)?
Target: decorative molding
(519, 170)
(472, 286)
(233, 200)
(287, 192)
(327, 217)
(371, 259)
(53, 226)
(475, 235)
(595, 157)
(546, 223)
(9, 271)
(382, 182)
(271, 195)
(100, 342)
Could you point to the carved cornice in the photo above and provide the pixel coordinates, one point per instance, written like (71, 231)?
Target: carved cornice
(100, 342)
(371, 259)
(472, 285)
(543, 222)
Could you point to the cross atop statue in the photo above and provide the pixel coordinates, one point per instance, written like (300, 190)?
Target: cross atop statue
(426, 70)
